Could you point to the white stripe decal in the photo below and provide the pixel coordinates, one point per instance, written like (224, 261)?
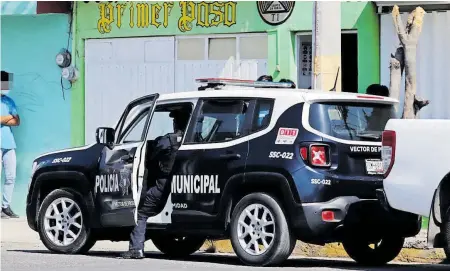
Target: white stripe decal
(66, 150)
(280, 106)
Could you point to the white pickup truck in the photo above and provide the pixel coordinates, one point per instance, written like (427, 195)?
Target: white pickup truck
(416, 162)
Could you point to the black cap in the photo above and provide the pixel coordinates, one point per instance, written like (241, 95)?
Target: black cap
(377, 89)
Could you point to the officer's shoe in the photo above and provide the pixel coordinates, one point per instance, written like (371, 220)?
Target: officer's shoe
(133, 254)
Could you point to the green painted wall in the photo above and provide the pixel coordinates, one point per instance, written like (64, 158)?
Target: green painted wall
(94, 20)
(368, 26)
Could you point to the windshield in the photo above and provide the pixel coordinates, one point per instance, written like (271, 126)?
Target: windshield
(351, 121)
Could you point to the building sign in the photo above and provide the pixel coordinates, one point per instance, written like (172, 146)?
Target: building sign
(157, 14)
(275, 12)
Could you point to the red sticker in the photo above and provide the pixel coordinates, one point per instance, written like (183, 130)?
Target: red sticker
(286, 136)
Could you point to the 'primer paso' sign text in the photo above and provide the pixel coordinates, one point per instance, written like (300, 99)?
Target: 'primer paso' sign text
(144, 15)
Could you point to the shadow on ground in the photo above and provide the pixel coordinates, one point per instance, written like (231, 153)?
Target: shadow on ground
(225, 259)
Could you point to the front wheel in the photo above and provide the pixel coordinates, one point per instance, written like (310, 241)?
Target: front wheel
(363, 252)
(260, 233)
(62, 223)
(446, 233)
(177, 246)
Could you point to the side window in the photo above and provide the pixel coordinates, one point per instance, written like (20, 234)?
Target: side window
(136, 128)
(162, 121)
(160, 125)
(220, 121)
(263, 114)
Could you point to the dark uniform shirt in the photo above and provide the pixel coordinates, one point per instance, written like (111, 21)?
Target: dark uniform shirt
(164, 153)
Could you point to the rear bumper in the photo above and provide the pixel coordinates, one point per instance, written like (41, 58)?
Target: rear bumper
(352, 215)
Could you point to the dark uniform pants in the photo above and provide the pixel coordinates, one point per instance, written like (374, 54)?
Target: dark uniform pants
(150, 207)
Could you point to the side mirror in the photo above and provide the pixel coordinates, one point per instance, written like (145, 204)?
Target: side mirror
(105, 135)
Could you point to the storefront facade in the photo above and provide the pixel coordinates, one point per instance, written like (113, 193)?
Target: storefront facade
(128, 49)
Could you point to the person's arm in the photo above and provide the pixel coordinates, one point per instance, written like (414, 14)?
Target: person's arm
(15, 120)
(10, 120)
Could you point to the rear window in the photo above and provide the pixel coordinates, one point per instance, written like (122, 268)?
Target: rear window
(351, 121)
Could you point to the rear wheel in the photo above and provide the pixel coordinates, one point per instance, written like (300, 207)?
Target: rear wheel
(365, 253)
(178, 246)
(260, 234)
(62, 223)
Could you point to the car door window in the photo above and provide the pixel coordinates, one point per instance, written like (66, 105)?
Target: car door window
(263, 113)
(131, 126)
(220, 121)
(162, 121)
(136, 128)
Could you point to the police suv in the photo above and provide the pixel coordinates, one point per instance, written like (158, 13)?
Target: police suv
(260, 163)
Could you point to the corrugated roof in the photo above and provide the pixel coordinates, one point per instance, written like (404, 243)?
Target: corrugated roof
(18, 7)
(410, 3)
(408, 6)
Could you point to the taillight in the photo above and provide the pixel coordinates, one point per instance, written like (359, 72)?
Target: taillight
(388, 141)
(317, 155)
(304, 153)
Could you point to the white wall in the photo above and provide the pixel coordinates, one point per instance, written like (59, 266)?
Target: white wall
(122, 69)
(433, 61)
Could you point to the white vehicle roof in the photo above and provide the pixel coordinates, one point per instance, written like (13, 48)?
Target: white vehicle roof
(301, 95)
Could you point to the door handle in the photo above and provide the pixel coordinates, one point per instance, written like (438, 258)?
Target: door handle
(230, 156)
(127, 158)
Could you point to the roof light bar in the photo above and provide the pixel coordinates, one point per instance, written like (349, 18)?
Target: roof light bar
(244, 83)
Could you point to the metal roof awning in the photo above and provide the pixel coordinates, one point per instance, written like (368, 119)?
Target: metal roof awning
(18, 7)
(408, 6)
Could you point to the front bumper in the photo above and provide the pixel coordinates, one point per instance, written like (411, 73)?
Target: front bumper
(31, 216)
(352, 215)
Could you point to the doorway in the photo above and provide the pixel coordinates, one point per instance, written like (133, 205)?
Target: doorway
(349, 61)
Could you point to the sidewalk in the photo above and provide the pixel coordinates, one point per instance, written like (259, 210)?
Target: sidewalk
(15, 232)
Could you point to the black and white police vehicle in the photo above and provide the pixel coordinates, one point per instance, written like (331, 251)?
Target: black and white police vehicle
(260, 163)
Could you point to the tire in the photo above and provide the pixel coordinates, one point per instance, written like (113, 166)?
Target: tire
(177, 247)
(278, 246)
(446, 233)
(90, 243)
(360, 251)
(83, 240)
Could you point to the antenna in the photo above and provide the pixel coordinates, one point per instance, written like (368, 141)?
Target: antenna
(335, 81)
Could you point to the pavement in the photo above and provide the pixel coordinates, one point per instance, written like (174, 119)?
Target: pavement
(21, 249)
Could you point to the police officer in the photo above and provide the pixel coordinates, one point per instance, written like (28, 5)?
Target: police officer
(163, 154)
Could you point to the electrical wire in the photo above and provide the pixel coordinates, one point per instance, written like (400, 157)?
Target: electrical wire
(63, 89)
